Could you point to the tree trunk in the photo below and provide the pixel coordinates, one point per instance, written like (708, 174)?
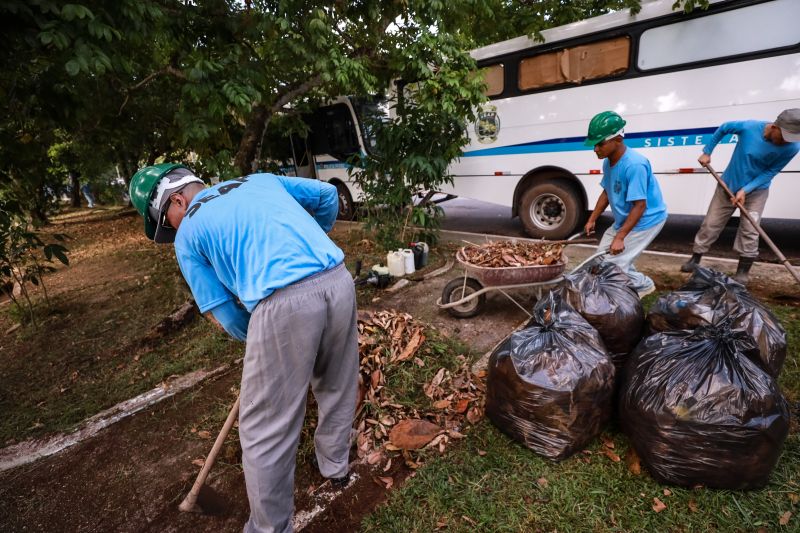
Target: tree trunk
(75, 189)
(250, 139)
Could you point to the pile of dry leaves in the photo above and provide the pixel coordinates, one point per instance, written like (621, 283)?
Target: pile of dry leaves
(513, 254)
(388, 338)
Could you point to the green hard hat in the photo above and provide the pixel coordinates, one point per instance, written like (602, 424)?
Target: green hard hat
(141, 189)
(602, 126)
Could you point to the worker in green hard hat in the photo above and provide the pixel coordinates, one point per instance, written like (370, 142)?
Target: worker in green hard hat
(255, 254)
(632, 192)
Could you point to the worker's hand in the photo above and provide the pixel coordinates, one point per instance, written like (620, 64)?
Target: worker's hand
(739, 198)
(588, 229)
(704, 159)
(617, 245)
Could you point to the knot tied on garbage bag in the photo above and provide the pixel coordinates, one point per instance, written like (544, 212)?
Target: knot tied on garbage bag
(550, 385)
(698, 409)
(710, 297)
(601, 292)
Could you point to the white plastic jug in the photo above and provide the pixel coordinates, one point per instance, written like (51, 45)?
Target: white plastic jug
(408, 259)
(396, 263)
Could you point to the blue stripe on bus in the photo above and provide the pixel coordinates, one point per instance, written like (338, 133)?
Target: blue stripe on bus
(656, 139)
(333, 164)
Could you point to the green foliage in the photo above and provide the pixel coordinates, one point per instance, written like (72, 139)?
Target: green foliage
(25, 258)
(124, 83)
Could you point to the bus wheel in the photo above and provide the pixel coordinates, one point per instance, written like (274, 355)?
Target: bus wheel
(550, 210)
(347, 209)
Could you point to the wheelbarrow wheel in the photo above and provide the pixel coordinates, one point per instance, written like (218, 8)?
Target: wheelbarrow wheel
(452, 292)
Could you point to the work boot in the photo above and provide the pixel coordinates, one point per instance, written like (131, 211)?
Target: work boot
(340, 483)
(691, 264)
(743, 269)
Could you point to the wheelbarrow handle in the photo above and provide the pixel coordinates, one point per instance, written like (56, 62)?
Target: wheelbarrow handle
(592, 257)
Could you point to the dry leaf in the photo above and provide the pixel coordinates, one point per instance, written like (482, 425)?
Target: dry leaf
(692, 506)
(667, 492)
(794, 497)
(387, 481)
(481, 452)
(441, 404)
(413, 434)
(375, 378)
(785, 517)
(461, 406)
(204, 434)
(658, 505)
(611, 455)
(474, 415)
(607, 442)
(412, 346)
(375, 457)
(632, 460)
(388, 465)
(199, 462)
(542, 482)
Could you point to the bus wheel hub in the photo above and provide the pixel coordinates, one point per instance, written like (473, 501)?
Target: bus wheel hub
(547, 211)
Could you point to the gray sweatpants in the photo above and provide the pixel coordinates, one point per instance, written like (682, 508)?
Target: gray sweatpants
(303, 334)
(635, 242)
(720, 211)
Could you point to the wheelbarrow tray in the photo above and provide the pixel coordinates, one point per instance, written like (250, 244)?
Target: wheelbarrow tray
(501, 276)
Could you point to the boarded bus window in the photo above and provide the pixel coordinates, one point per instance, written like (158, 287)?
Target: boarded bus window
(738, 31)
(493, 76)
(602, 59)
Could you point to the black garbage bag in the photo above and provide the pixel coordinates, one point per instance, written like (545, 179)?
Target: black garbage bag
(602, 294)
(698, 410)
(550, 385)
(710, 296)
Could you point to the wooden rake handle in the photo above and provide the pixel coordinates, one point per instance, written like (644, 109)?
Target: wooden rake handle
(189, 503)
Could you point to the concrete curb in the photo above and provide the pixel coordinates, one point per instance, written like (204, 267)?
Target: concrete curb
(31, 450)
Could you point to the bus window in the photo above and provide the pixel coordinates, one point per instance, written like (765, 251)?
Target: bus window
(540, 71)
(334, 132)
(767, 26)
(591, 61)
(493, 76)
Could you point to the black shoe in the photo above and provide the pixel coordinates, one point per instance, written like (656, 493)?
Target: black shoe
(339, 483)
(743, 270)
(691, 264)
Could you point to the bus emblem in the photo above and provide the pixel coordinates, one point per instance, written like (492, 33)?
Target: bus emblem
(488, 125)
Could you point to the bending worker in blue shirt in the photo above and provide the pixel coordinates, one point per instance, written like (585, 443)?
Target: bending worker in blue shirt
(255, 253)
(762, 150)
(631, 189)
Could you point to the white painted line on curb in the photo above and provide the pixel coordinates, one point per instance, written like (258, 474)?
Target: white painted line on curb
(31, 450)
(323, 497)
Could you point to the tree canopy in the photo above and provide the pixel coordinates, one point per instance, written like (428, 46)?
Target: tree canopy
(98, 84)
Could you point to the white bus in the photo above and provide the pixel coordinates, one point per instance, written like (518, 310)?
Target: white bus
(673, 76)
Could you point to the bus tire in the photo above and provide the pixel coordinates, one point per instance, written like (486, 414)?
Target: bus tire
(550, 210)
(347, 209)
(452, 292)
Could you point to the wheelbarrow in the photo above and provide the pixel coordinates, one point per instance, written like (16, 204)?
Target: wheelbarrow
(465, 296)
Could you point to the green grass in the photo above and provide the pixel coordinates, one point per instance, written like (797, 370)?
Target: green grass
(490, 483)
(502, 491)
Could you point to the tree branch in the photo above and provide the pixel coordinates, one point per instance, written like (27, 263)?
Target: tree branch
(168, 69)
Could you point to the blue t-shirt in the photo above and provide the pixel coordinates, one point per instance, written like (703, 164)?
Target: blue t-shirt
(247, 237)
(755, 160)
(631, 179)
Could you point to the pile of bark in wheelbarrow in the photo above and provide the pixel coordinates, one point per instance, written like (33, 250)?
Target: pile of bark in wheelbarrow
(513, 254)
